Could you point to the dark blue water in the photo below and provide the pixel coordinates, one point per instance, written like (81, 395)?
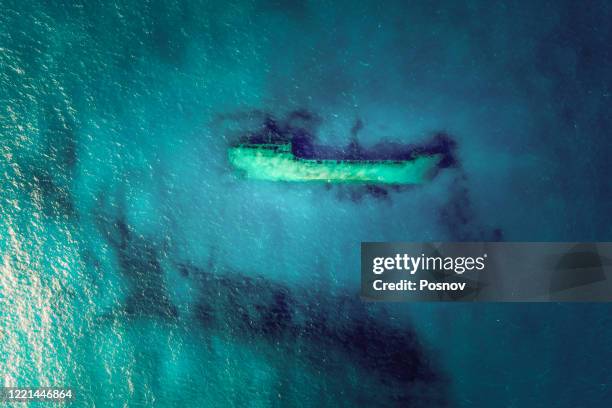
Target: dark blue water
(137, 268)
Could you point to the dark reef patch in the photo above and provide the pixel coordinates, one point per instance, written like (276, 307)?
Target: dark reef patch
(138, 260)
(253, 307)
(357, 193)
(328, 332)
(53, 171)
(459, 218)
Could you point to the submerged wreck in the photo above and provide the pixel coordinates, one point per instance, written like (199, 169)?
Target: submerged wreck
(277, 162)
(273, 156)
(287, 153)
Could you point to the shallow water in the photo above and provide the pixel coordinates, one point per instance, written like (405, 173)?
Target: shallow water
(137, 268)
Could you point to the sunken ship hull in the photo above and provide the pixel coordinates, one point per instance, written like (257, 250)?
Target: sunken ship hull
(277, 162)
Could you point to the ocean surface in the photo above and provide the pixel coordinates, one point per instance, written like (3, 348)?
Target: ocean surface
(139, 269)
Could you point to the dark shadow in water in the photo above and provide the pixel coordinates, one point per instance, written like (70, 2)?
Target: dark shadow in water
(138, 261)
(459, 218)
(323, 325)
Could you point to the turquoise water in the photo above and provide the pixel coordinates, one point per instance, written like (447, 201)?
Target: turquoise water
(136, 268)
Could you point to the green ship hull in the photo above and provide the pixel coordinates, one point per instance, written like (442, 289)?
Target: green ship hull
(276, 162)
